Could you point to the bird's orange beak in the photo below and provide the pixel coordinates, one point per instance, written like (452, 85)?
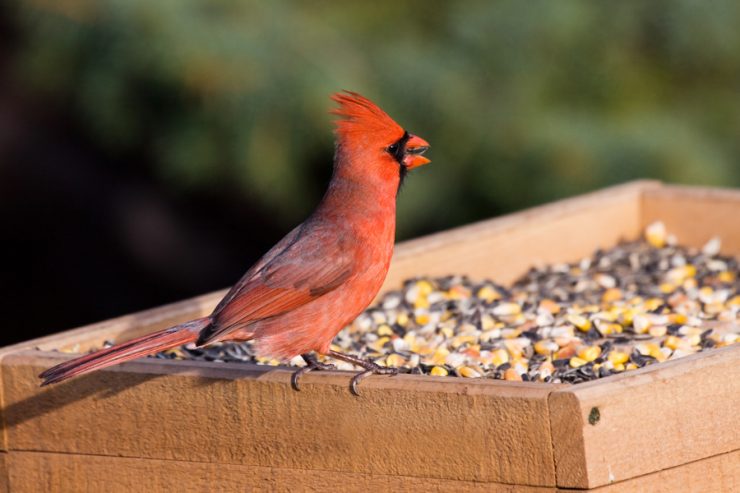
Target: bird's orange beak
(415, 147)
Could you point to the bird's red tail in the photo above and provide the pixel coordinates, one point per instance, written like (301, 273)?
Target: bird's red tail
(136, 348)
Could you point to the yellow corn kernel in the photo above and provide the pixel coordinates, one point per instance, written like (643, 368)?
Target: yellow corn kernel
(421, 302)
(575, 362)
(550, 305)
(512, 375)
(618, 358)
(589, 353)
(582, 323)
(655, 234)
(468, 372)
(726, 276)
(384, 330)
(499, 357)
(506, 309)
(673, 342)
(395, 360)
(667, 288)
(488, 294)
(440, 355)
(652, 304)
(424, 287)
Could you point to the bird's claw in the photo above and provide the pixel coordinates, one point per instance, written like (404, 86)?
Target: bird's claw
(374, 370)
(311, 364)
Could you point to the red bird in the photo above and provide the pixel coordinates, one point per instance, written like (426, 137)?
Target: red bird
(318, 278)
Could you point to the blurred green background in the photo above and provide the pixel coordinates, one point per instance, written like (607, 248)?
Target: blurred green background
(151, 150)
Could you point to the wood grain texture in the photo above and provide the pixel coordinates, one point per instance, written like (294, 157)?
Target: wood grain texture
(406, 425)
(651, 419)
(4, 485)
(31, 472)
(34, 471)
(720, 474)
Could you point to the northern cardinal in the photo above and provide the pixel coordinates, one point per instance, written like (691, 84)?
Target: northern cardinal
(318, 278)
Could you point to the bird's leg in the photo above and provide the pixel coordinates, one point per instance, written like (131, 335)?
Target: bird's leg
(311, 364)
(370, 367)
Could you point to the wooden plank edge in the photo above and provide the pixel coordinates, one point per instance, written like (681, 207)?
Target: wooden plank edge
(282, 374)
(47, 471)
(717, 473)
(51, 472)
(364, 434)
(669, 190)
(568, 416)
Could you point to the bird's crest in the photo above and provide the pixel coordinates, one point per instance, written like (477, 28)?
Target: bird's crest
(359, 115)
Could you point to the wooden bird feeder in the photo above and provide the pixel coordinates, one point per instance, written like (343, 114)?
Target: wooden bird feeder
(159, 425)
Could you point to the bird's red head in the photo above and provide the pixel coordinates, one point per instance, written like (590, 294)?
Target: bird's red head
(363, 125)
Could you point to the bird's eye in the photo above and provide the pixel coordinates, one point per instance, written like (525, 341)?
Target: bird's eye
(393, 148)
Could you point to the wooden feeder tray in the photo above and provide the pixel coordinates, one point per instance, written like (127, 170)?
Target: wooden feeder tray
(159, 425)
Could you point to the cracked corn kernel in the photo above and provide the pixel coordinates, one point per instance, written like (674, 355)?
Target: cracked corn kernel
(678, 275)
(421, 302)
(673, 342)
(667, 287)
(488, 294)
(547, 366)
(618, 357)
(460, 340)
(499, 357)
(677, 318)
(384, 330)
(440, 355)
(425, 288)
(653, 304)
(589, 353)
(655, 234)
(512, 375)
(612, 294)
(468, 372)
(506, 309)
(545, 347)
(576, 362)
(448, 332)
(658, 330)
(582, 323)
(552, 307)
(641, 323)
(395, 360)
(458, 293)
(607, 329)
(438, 371)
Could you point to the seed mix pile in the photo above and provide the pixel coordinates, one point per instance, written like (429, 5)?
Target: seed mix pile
(636, 304)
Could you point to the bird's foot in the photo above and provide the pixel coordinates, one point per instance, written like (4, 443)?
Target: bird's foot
(371, 368)
(311, 364)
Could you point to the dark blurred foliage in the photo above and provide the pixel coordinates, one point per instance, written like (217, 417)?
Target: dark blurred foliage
(151, 150)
